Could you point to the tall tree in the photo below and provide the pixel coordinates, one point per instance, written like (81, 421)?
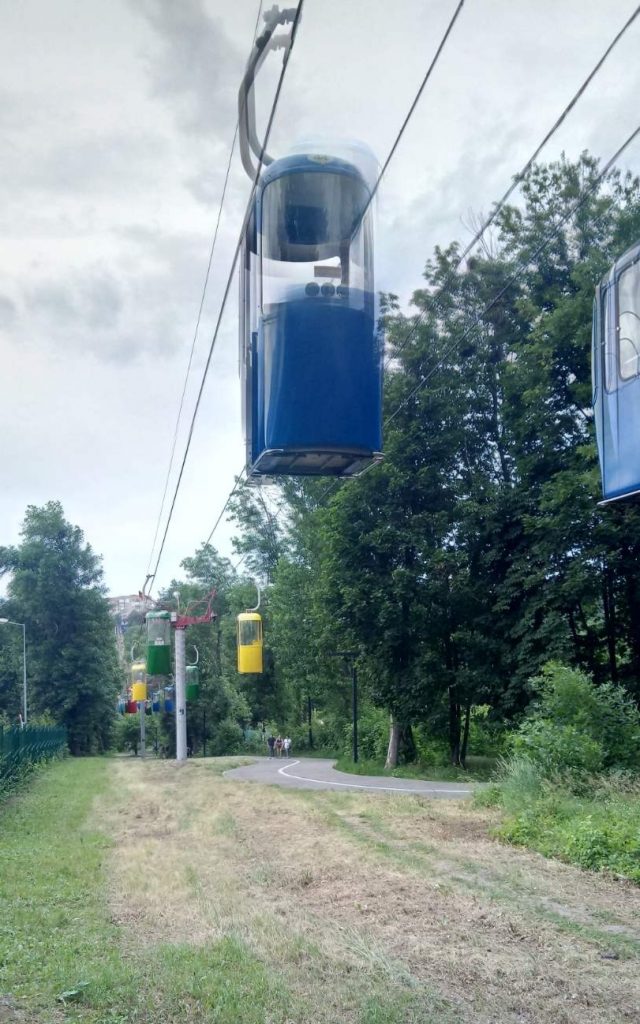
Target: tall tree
(56, 588)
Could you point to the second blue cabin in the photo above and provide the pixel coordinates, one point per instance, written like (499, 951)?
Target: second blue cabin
(616, 376)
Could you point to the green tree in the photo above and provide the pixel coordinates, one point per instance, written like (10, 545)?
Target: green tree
(55, 588)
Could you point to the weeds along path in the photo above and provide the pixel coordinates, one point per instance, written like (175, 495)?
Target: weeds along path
(355, 900)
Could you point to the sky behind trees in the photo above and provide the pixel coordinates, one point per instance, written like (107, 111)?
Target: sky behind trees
(116, 122)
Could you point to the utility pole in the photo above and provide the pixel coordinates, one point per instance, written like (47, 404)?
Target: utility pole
(24, 673)
(143, 726)
(350, 658)
(181, 696)
(354, 707)
(180, 624)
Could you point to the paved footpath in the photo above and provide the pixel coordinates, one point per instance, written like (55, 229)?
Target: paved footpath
(317, 773)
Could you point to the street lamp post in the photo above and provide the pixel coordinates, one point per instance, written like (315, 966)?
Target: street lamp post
(350, 659)
(9, 622)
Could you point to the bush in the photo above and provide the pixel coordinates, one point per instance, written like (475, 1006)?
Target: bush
(328, 734)
(226, 739)
(520, 781)
(432, 750)
(486, 736)
(595, 834)
(127, 733)
(373, 734)
(578, 727)
(557, 748)
(254, 742)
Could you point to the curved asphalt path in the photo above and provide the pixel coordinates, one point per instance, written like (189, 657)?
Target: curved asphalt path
(318, 773)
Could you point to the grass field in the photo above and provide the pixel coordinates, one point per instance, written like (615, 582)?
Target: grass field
(134, 891)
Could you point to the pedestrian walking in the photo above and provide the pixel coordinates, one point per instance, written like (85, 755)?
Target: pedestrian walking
(286, 743)
(271, 742)
(279, 746)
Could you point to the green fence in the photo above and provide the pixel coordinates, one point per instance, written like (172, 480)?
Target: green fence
(20, 748)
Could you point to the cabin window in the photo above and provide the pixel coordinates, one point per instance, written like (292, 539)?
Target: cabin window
(629, 321)
(316, 239)
(249, 632)
(609, 344)
(311, 216)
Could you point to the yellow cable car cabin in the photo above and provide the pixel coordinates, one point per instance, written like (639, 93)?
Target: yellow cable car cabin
(249, 642)
(139, 681)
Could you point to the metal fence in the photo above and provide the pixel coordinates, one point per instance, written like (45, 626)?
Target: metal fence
(20, 748)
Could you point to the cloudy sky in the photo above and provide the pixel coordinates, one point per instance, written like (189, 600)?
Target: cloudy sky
(116, 121)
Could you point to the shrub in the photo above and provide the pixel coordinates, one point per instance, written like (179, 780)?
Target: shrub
(432, 750)
(328, 734)
(226, 739)
(486, 736)
(594, 834)
(373, 734)
(521, 782)
(127, 733)
(577, 726)
(556, 747)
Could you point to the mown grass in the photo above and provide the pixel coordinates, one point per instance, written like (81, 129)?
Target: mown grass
(58, 948)
(54, 931)
(479, 769)
(63, 957)
(597, 828)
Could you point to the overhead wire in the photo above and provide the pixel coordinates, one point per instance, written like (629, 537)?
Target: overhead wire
(414, 104)
(516, 274)
(224, 507)
(372, 194)
(207, 275)
(274, 107)
(517, 180)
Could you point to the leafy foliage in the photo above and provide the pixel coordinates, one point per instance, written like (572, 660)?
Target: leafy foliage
(55, 588)
(577, 725)
(599, 831)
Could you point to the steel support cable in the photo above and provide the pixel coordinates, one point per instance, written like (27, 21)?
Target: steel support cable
(198, 319)
(225, 296)
(224, 507)
(517, 273)
(412, 108)
(509, 192)
(514, 184)
(517, 180)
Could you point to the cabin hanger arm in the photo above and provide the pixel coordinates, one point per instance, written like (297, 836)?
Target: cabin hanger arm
(249, 141)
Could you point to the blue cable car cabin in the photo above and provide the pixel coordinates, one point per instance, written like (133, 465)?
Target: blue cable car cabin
(616, 377)
(311, 357)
